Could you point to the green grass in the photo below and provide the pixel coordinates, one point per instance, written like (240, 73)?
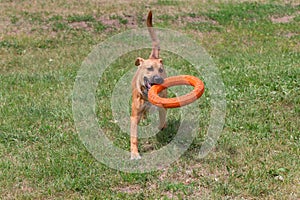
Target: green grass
(248, 11)
(119, 18)
(167, 3)
(257, 155)
(80, 18)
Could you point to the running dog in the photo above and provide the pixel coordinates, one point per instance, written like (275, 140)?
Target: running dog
(150, 72)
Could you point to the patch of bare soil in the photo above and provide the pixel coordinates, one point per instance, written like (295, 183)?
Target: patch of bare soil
(289, 35)
(23, 186)
(81, 25)
(131, 21)
(115, 23)
(110, 22)
(190, 174)
(129, 189)
(284, 19)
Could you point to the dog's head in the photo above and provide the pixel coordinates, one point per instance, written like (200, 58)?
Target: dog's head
(151, 72)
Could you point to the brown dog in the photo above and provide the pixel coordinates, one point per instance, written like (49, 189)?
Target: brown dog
(150, 72)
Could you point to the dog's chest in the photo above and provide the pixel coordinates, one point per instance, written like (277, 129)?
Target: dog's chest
(147, 106)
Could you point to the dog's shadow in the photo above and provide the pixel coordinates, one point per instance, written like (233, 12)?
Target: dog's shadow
(163, 137)
(166, 135)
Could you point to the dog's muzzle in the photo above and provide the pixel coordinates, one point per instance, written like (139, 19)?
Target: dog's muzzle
(148, 83)
(155, 80)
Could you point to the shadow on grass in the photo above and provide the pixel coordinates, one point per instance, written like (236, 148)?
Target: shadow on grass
(165, 136)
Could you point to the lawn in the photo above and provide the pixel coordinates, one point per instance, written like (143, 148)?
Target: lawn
(256, 50)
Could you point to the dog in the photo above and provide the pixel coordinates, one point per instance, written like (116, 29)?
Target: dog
(150, 72)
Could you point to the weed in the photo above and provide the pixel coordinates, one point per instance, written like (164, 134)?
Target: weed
(59, 26)
(99, 27)
(14, 19)
(119, 18)
(80, 18)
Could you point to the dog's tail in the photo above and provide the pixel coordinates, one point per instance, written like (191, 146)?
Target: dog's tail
(155, 41)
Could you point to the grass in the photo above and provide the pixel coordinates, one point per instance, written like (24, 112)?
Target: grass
(80, 18)
(119, 18)
(257, 155)
(249, 11)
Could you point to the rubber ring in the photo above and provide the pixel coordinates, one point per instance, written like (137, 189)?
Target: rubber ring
(176, 101)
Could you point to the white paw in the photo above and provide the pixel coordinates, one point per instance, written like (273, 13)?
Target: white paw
(135, 156)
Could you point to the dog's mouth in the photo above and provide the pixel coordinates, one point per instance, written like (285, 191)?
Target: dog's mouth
(147, 83)
(155, 80)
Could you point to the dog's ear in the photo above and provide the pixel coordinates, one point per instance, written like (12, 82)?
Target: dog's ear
(161, 61)
(138, 61)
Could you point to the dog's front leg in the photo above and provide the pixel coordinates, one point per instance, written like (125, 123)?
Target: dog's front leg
(134, 137)
(137, 103)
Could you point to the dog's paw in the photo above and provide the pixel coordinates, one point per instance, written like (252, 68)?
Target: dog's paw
(135, 156)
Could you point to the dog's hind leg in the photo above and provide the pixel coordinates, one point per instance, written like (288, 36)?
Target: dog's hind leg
(162, 118)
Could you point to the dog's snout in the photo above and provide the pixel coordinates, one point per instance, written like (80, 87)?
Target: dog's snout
(157, 79)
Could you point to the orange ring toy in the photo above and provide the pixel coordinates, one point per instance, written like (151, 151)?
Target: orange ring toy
(176, 101)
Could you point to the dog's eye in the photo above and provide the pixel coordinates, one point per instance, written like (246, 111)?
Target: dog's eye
(150, 68)
(161, 70)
